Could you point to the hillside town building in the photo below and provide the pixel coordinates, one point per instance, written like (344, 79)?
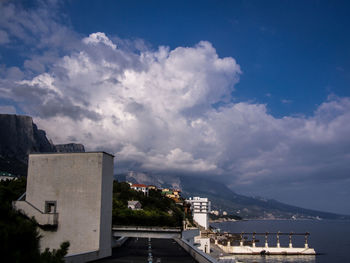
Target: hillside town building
(172, 193)
(215, 212)
(141, 188)
(152, 187)
(134, 205)
(7, 176)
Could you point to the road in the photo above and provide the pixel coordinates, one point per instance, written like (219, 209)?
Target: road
(144, 250)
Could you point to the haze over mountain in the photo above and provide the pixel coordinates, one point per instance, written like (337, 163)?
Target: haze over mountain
(22, 137)
(224, 199)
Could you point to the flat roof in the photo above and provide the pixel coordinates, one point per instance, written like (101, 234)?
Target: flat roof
(36, 153)
(136, 250)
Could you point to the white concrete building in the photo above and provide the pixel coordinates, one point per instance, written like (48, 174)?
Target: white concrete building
(7, 176)
(140, 187)
(4, 178)
(134, 205)
(200, 208)
(215, 212)
(72, 193)
(202, 243)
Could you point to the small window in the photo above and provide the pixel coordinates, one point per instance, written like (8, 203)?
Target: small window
(50, 207)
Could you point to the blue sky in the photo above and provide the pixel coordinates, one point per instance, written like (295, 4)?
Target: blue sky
(294, 52)
(249, 92)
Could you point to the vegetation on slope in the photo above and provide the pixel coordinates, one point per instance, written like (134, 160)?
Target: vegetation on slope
(19, 237)
(157, 210)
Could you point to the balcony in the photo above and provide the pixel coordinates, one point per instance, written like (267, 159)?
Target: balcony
(43, 219)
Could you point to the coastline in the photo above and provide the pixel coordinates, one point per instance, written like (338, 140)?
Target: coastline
(220, 220)
(273, 219)
(329, 238)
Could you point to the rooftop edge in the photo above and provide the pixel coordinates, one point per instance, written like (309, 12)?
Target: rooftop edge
(72, 153)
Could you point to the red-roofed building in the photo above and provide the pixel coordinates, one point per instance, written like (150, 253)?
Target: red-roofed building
(140, 187)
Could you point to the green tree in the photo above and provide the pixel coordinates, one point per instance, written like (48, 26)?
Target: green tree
(157, 210)
(55, 256)
(19, 236)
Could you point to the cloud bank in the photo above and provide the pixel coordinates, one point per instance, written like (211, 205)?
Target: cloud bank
(167, 111)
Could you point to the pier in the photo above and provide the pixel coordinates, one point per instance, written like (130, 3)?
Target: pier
(249, 247)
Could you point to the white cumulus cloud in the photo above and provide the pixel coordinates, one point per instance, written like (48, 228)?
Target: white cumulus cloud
(97, 38)
(154, 110)
(157, 109)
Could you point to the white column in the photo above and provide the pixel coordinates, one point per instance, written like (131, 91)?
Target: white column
(306, 244)
(266, 244)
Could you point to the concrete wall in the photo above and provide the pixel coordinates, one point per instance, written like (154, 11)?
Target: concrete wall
(189, 234)
(198, 255)
(204, 244)
(41, 218)
(106, 206)
(81, 184)
(201, 219)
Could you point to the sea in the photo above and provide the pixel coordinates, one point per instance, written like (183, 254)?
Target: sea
(329, 238)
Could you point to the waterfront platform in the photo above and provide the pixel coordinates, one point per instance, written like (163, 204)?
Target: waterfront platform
(248, 250)
(252, 249)
(137, 250)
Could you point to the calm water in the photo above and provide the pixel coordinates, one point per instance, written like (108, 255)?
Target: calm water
(330, 239)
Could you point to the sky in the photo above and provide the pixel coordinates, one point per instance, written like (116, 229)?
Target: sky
(255, 94)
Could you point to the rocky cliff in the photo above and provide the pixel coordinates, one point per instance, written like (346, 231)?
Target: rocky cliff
(69, 148)
(19, 136)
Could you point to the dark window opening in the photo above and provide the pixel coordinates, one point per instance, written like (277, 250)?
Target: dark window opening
(50, 207)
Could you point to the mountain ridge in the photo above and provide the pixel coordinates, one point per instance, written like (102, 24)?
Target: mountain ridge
(20, 136)
(225, 199)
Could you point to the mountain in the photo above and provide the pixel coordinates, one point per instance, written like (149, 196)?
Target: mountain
(19, 136)
(69, 148)
(224, 199)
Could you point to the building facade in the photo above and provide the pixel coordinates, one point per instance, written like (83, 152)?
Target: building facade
(72, 194)
(134, 205)
(141, 188)
(172, 193)
(200, 208)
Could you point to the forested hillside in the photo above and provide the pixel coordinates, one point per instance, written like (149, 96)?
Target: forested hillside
(157, 210)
